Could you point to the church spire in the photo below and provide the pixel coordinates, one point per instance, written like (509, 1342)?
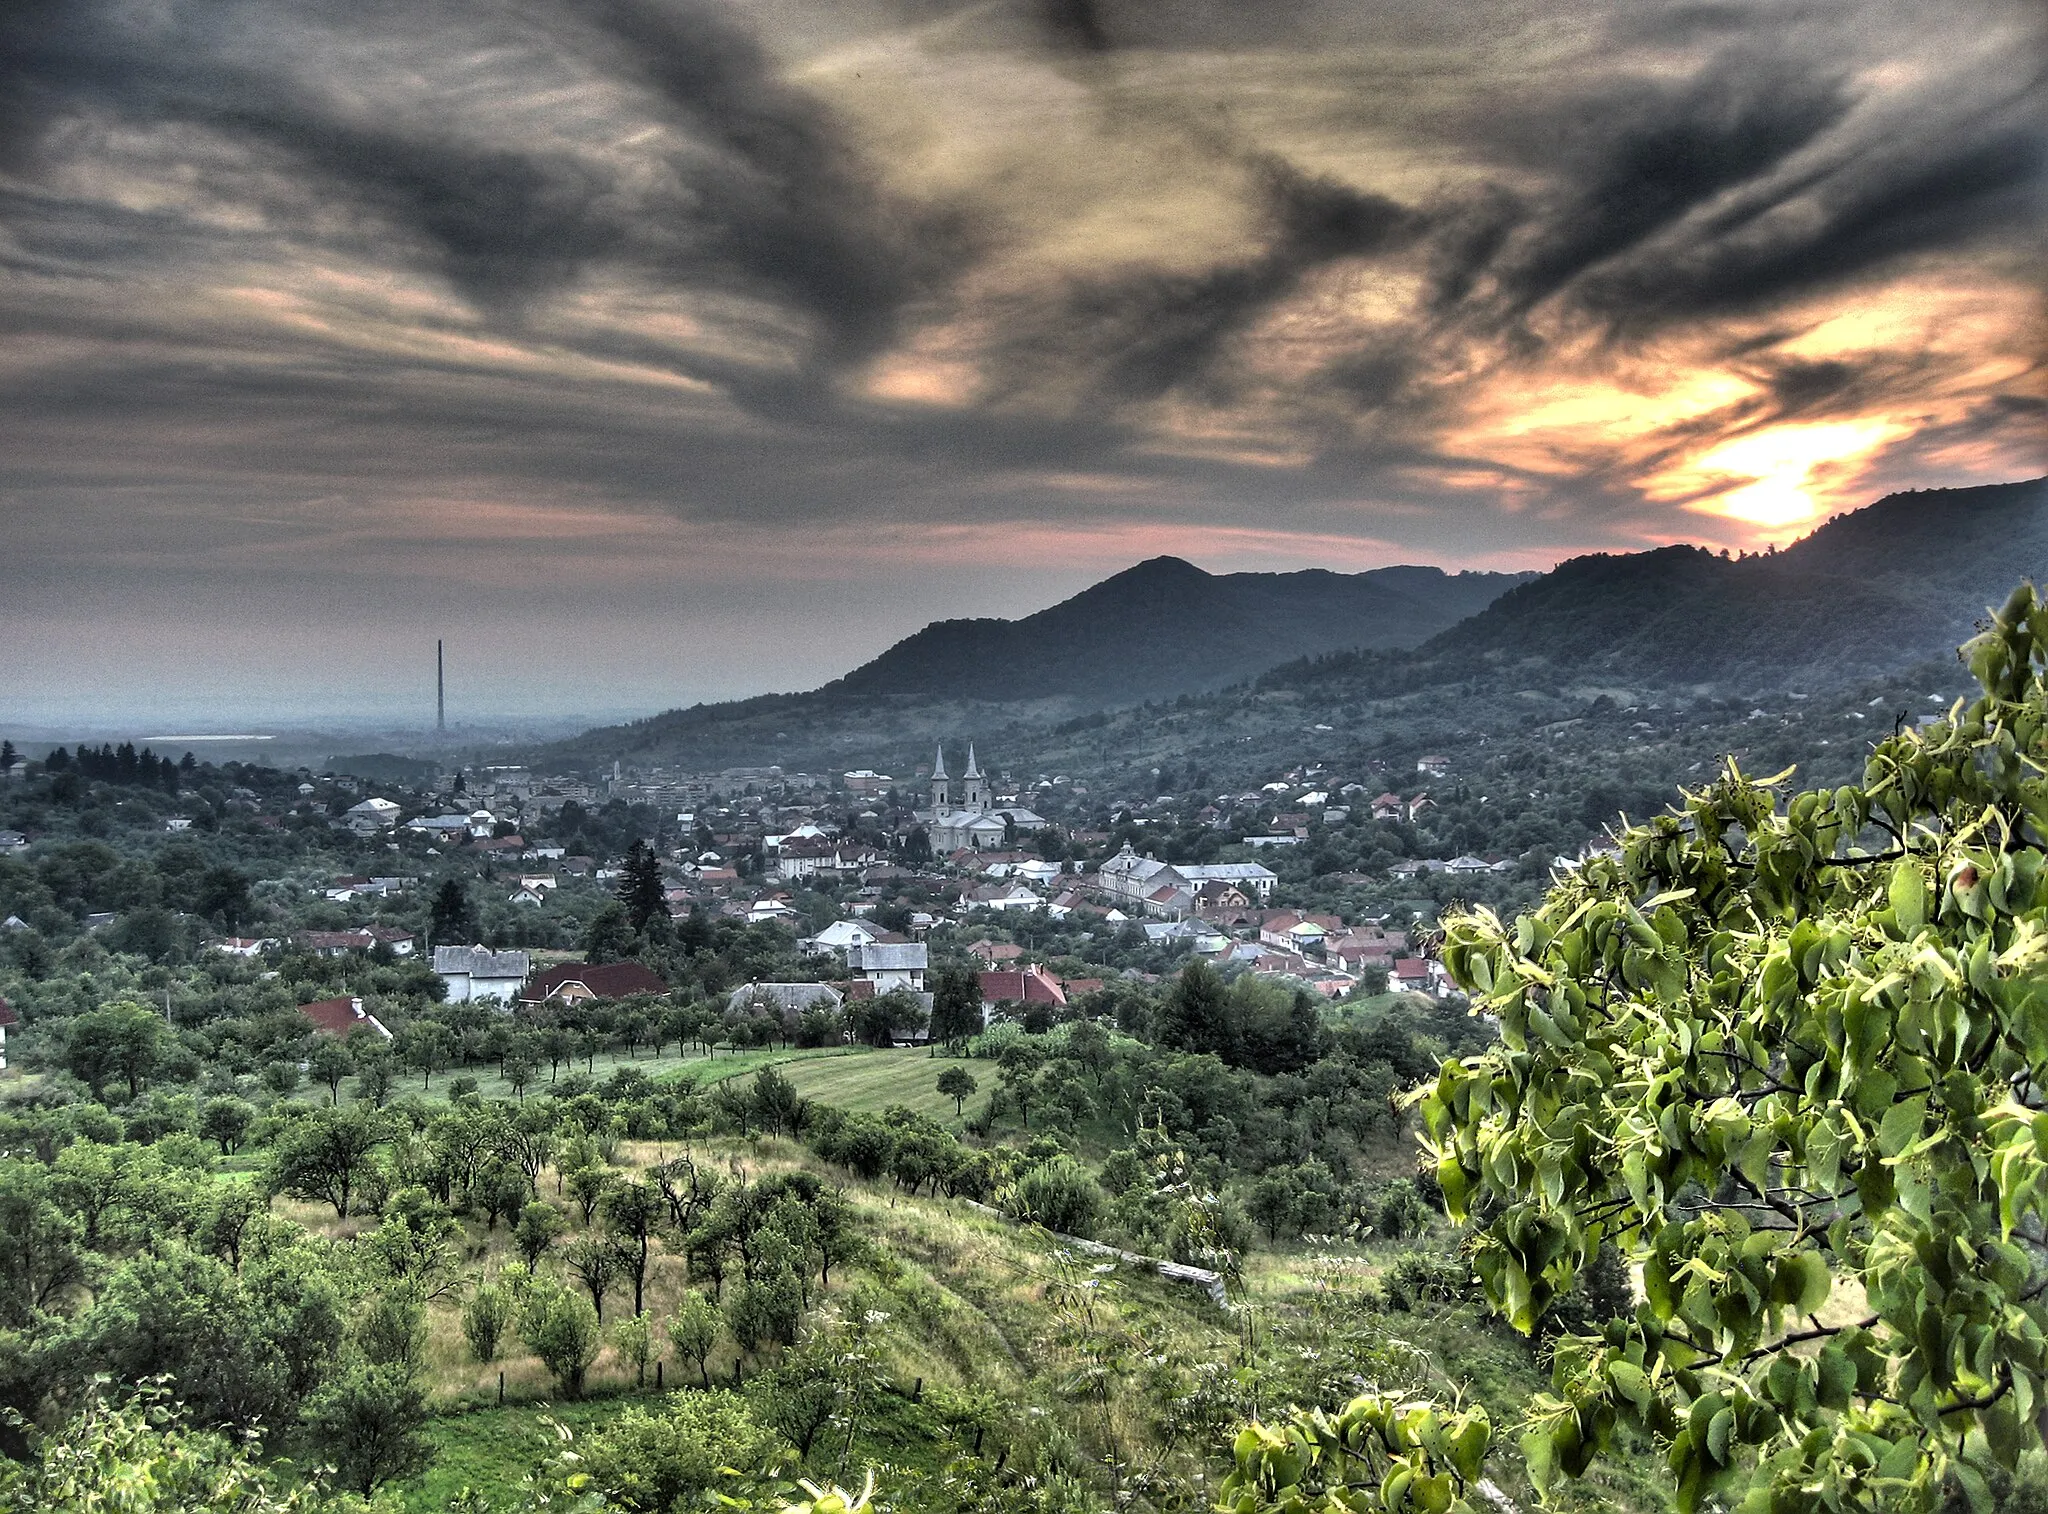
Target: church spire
(939, 762)
(972, 770)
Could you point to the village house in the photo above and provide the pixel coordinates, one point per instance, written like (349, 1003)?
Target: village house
(342, 1018)
(1247, 877)
(1294, 930)
(783, 998)
(576, 982)
(475, 973)
(890, 965)
(841, 935)
(8, 1019)
(339, 943)
(1030, 984)
(370, 816)
(12, 841)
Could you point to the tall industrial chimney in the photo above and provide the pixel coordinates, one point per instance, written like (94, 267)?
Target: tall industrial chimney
(440, 691)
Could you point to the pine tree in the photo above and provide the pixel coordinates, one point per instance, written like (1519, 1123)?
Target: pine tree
(641, 890)
(453, 921)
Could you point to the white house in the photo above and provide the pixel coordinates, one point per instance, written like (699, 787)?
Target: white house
(842, 935)
(371, 814)
(477, 972)
(1249, 876)
(890, 965)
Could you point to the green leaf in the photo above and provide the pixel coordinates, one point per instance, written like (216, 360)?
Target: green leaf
(1902, 1124)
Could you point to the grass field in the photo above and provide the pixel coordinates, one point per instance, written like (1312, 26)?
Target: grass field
(705, 1070)
(874, 1080)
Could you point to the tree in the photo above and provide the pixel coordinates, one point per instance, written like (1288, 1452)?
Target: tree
(631, 1212)
(519, 1072)
(563, 1331)
(226, 1121)
(451, 921)
(392, 1329)
(540, 1224)
(119, 1040)
(1195, 1015)
(693, 1330)
(609, 935)
(123, 1441)
(956, 1005)
(1780, 1050)
(329, 1064)
(957, 1084)
(373, 1075)
(367, 1422)
(634, 1342)
(325, 1156)
(595, 1261)
(485, 1319)
(42, 1250)
(223, 897)
(642, 894)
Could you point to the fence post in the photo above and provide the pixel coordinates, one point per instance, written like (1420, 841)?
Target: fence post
(501, 1390)
(657, 1377)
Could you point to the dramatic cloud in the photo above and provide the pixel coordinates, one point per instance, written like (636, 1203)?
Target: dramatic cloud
(672, 348)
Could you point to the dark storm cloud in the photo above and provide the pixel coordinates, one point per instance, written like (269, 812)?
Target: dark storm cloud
(782, 203)
(827, 270)
(1637, 162)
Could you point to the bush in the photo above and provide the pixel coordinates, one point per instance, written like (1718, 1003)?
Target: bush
(667, 1459)
(485, 1319)
(1058, 1194)
(562, 1330)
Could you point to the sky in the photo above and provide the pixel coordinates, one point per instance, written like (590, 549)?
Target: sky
(651, 351)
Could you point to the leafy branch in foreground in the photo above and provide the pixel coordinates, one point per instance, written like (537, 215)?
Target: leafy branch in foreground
(1791, 1058)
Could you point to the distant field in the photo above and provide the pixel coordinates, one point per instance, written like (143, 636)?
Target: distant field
(874, 1080)
(705, 1070)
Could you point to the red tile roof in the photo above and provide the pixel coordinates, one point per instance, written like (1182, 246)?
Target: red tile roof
(1030, 986)
(609, 980)
(342, 1017)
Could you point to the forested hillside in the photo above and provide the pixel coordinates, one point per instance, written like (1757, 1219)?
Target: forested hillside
(1870, 593)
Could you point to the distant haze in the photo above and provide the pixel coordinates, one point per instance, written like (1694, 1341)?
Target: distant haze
(654, 351)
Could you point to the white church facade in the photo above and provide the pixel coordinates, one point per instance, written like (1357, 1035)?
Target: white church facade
(967, 816)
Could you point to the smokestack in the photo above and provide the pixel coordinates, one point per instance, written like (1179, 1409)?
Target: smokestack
(440, 691)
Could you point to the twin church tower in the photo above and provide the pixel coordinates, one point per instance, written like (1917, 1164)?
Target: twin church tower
(962, 817)
(973, 793)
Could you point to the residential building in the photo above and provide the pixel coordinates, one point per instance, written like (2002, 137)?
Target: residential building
(12, 841)
(842, 935)
(8, 1019)
(784, 998)
(370, 815)
(474, 973)
(1248, 876)
(342, 1018)
(1031, 984)
(574, 982)
(890, 965)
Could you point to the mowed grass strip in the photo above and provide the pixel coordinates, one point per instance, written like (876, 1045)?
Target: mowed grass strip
(876, 1080)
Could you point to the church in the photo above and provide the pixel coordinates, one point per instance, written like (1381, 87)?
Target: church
(968, 819)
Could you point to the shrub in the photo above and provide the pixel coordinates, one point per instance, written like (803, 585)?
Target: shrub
(1058, 1194)
(666, 1459)
(485, 1319)
(562, 1330)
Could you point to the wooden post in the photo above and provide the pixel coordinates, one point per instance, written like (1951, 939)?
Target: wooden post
(657, 1376)
(501, 1390)
(917, 1391)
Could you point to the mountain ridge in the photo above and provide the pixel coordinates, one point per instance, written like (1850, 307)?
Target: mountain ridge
(1897, 582)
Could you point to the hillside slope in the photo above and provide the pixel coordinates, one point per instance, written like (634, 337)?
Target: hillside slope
(1166, 628)
(1158, 630)
(1899, 582)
